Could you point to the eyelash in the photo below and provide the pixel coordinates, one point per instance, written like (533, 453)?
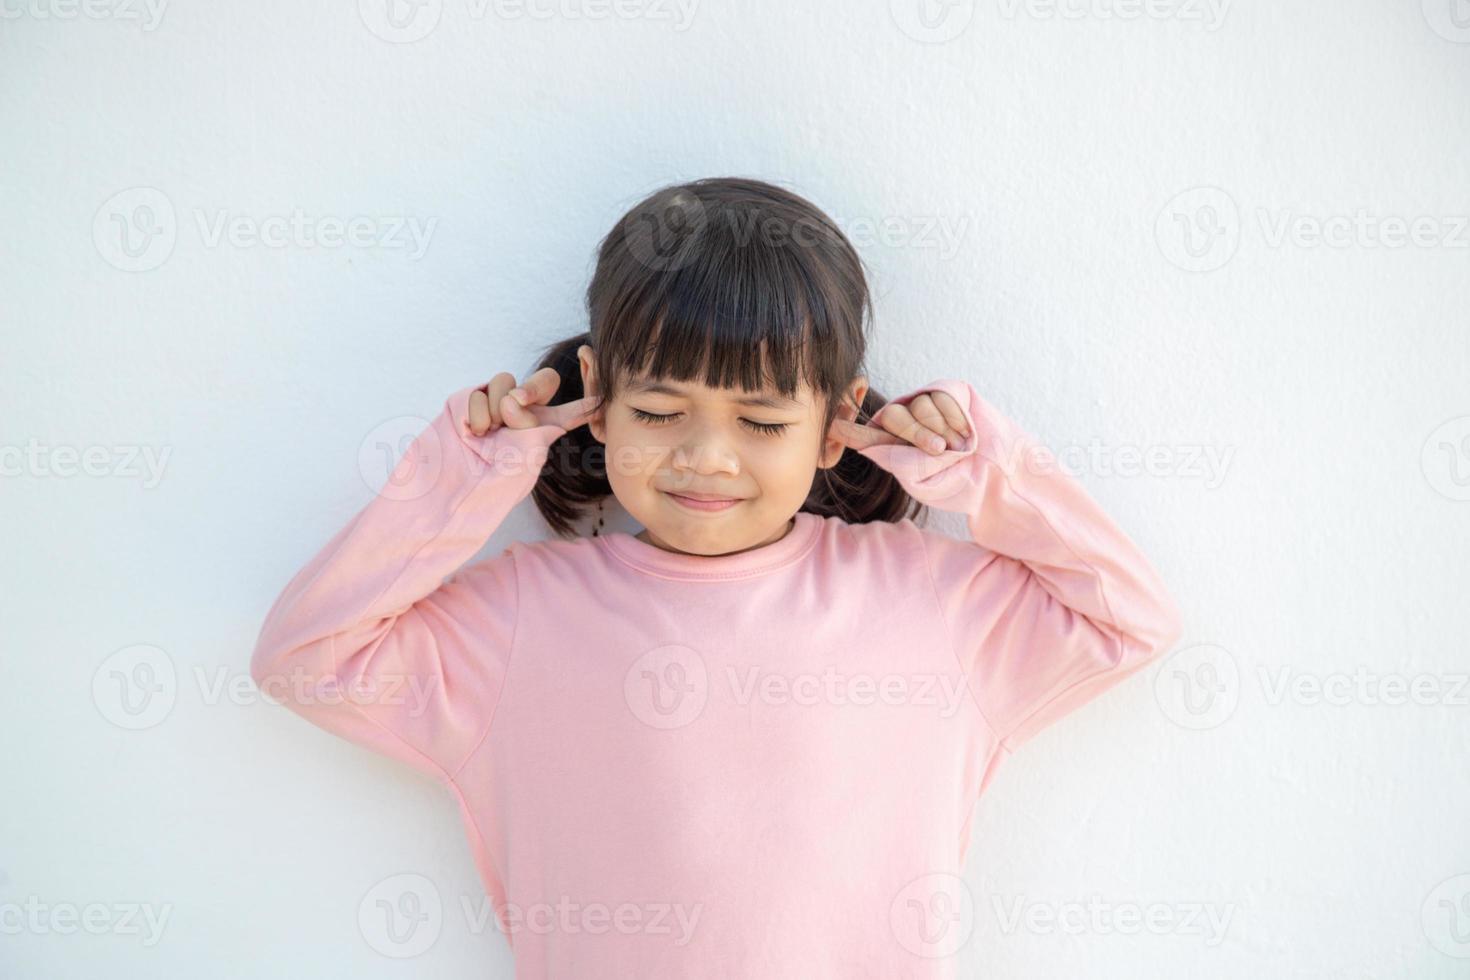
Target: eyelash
(764, 428)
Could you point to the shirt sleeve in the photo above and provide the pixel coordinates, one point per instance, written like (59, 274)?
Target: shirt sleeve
(369, 641)
(1049, 604)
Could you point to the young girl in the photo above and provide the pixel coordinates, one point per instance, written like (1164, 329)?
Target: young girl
(746, 741)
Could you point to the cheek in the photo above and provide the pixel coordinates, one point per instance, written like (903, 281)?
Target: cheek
(775, 451)
(632, 451)
(792, 456)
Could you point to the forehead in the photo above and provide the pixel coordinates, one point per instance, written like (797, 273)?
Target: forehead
(764, 398)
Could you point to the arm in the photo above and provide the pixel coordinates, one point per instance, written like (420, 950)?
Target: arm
(368, 641)
(1049, 604)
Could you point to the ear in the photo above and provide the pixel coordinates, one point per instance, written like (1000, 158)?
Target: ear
(847, 408)
(595, 424)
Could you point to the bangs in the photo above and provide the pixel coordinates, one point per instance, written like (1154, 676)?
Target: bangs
(737, 311)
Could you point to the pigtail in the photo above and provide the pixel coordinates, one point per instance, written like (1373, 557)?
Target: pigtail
(574, 478)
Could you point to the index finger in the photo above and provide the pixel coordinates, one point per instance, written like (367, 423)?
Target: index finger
(862, 436)
(573, 413)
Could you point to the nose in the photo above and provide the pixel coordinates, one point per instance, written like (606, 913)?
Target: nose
(705, 452)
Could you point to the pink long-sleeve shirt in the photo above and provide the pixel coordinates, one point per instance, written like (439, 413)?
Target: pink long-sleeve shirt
(757, 765)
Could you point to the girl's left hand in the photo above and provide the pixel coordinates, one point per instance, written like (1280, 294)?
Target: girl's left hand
(932, 421)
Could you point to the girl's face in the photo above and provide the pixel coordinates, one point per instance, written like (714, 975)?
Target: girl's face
(710, 471)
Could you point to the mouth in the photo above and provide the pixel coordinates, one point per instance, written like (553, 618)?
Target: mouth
(702, 502)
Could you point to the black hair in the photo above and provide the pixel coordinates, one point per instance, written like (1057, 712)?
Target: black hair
(738, 283)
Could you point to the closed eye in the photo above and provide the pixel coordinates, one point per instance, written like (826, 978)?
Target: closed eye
(764, 428)
(651, 418)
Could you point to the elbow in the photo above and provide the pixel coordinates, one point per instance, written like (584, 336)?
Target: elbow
(295, 671)
(278, 667)
(265, 665)
(1151, 638)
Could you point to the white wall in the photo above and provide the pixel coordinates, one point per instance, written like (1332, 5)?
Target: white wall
(1028, 170)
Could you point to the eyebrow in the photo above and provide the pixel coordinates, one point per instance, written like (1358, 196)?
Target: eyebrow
(760, 401)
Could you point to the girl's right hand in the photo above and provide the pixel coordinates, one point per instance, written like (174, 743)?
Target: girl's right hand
(503, 402)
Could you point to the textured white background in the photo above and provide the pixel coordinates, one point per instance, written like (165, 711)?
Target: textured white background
(1013, 180)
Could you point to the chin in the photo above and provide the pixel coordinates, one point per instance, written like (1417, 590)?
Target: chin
(694, 536)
